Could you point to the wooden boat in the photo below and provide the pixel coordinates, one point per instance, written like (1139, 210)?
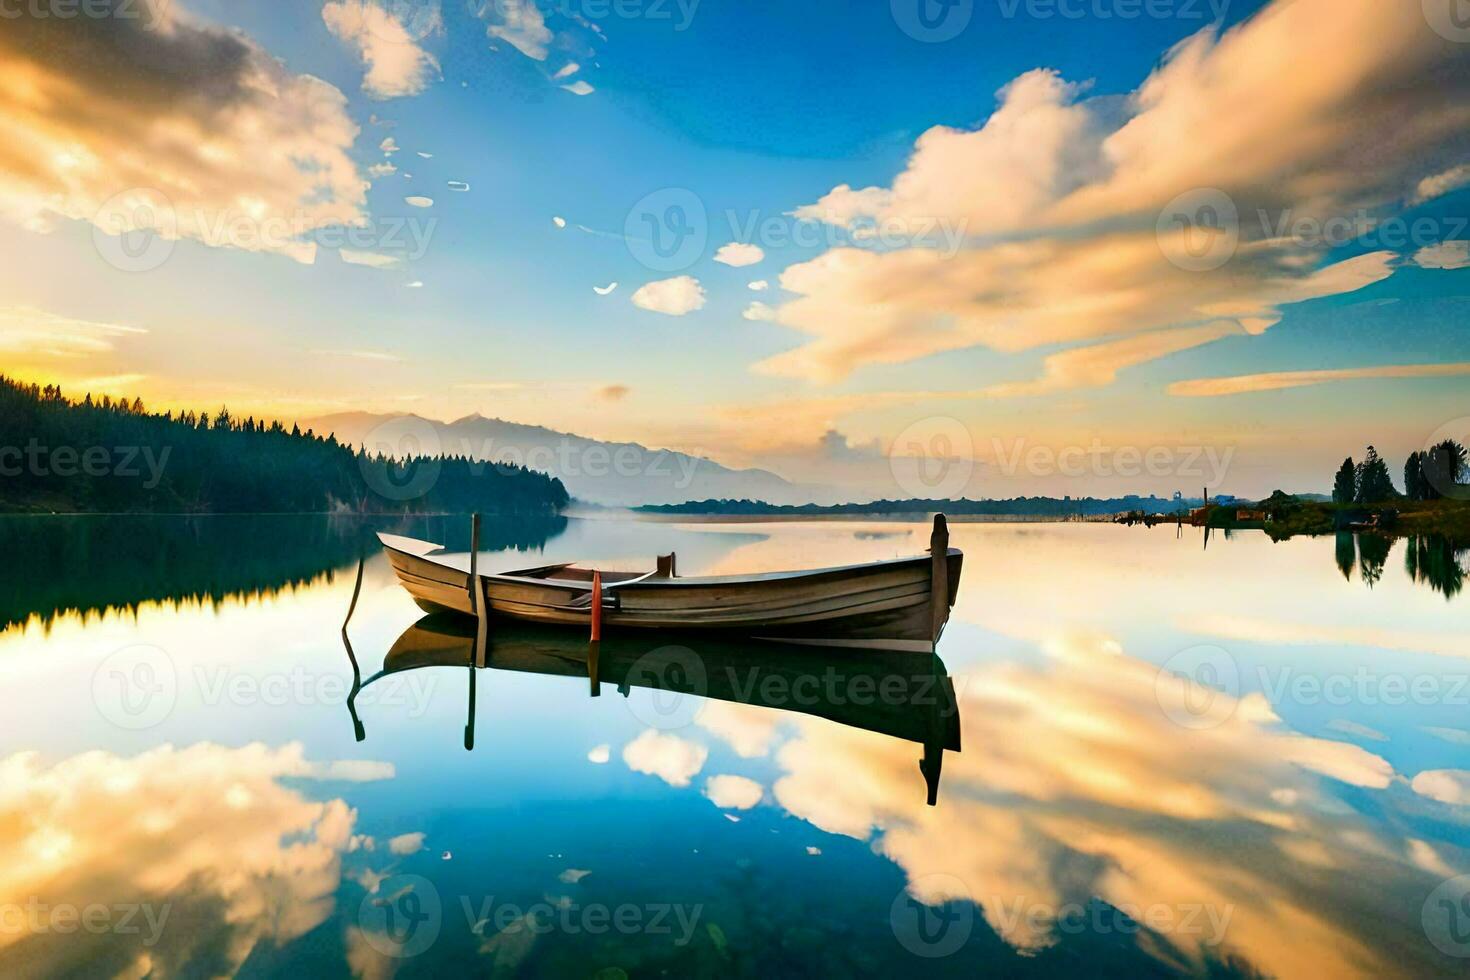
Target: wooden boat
(898, 604)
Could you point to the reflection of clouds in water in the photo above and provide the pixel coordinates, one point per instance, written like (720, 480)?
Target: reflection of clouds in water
(733, 792)
(747, 729)
(673, 759)
(1074, 783)
(206, 832)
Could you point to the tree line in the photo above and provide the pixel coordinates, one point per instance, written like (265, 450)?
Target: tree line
(1012, 507)
(1428, 475)
(113, 455)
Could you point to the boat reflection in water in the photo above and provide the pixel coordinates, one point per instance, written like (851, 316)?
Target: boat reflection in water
(897, 694)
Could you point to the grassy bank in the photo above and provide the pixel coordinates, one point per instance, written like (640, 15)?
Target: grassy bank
(1283, 517)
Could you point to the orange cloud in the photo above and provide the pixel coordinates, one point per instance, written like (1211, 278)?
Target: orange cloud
(1244, 383)
(164, 123)
(1066, 212)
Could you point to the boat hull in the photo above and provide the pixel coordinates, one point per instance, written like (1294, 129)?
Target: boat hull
(886, 605)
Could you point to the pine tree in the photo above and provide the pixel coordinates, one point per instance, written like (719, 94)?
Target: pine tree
(1414, 477)
(1374, 483)
(1345, 487)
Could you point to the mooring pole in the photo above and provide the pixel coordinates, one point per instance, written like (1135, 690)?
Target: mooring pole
(474, 562)
(356, 589)
(938, 576)
(478, 604)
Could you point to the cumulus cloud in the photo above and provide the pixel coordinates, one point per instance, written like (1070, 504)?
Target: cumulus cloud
(675, 297)
(521, 25)
(760, 312)
(673, 759)
(1441, 184)
(384, 169)
(1062, 197)
(733, 792)
(760, 285)
(1274, 381)
(566, 71)
(739, 254)
(1445, 255)
(1450, 786)
(184, 128)
(579, 87)
(396, 64)
(419, 201)
(406, 844)
(599, 754)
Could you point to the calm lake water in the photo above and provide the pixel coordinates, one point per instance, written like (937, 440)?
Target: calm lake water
(1175, 759)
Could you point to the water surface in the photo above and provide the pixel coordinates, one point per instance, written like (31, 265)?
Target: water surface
(1240, 759)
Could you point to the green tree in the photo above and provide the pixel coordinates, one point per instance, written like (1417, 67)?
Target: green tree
(1374, 483)
(1345, 487)
(1414, 482)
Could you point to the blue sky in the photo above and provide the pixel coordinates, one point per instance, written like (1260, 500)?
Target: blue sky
(1051, 318)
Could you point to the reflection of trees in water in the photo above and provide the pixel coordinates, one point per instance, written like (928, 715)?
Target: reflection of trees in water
(88, 564)
(1435, 561)
(1373, 552)
(1347, 554)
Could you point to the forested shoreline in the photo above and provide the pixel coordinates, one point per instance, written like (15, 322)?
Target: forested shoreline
(105, 455)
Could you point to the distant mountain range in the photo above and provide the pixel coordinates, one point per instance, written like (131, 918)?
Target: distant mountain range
(614, 474)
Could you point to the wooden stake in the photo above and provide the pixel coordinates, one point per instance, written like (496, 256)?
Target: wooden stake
(352, 606)
(939, 576)
(477, 597)
(474, 562)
